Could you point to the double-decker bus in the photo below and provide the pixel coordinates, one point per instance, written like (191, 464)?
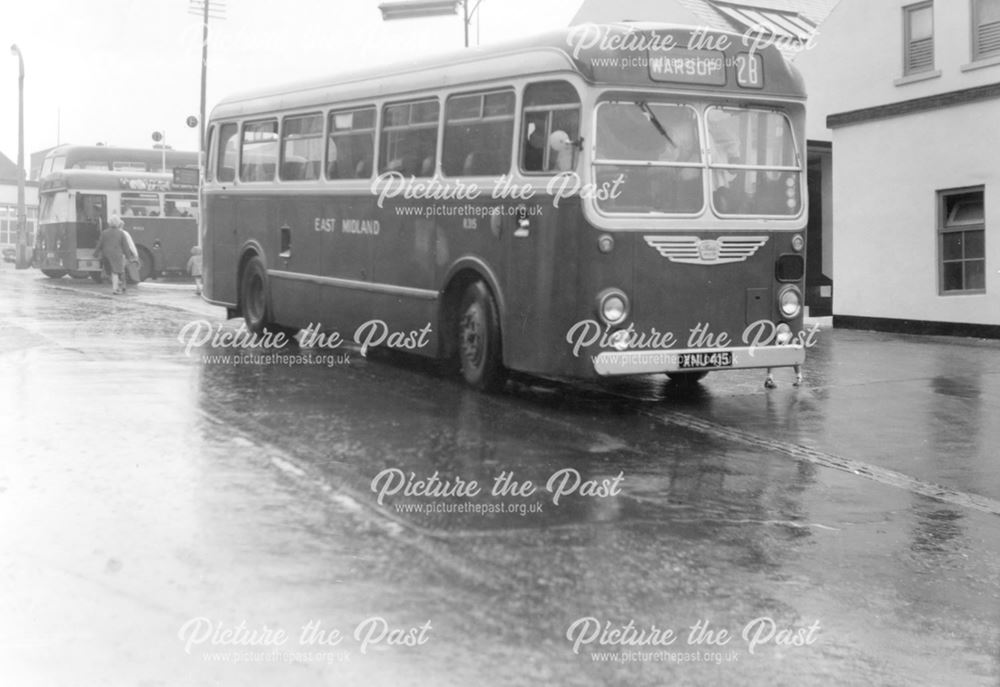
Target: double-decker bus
(115, 159)
(74, 207)
(599, 201)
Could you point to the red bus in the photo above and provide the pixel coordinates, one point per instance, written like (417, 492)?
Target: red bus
(74, 206)
(599, 201)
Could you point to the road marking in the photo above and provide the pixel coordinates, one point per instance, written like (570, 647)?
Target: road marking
(830, 460)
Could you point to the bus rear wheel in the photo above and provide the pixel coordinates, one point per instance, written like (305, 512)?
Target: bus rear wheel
(55, 274)
(480, 357)
(253, 295)
(145, 264)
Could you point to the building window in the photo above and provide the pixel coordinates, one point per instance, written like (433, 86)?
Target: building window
(918, 38)
(962, 242)
(985, 29)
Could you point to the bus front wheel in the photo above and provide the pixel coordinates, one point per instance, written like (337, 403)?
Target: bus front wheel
(253, 295)
(55, 274)
(686, 380)
(479, 352)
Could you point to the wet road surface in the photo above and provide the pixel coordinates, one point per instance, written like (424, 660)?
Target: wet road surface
(152, 500)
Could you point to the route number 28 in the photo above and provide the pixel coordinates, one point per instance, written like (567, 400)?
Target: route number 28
(749, 70)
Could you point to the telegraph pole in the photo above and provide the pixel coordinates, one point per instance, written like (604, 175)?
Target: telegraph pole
(22, 261)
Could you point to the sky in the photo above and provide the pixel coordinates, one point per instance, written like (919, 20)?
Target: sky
(115, 71)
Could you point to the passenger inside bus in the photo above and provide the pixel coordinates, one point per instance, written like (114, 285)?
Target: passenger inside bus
(534, 148)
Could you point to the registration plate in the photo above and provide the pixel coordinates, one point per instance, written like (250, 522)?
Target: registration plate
(689, 360)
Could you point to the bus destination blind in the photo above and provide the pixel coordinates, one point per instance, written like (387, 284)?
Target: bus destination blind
(679, 65)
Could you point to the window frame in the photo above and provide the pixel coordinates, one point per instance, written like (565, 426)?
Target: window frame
(550, 108)
(283, 140)
(331, 131)
(977, 53)
(385, 128)
(243, 143)
(481, 119)
(942, 230)
(219, 157)
(908, 12)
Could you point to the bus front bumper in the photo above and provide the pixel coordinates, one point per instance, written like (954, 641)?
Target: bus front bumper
(615, 363)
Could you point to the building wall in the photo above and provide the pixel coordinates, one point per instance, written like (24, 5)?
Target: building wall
(857, 60)
(8, 212)
(886, 176)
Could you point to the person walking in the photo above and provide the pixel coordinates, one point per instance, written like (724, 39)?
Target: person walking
(113, 247)
(194, 268)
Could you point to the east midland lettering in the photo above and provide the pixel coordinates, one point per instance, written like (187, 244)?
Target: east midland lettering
(370, 227)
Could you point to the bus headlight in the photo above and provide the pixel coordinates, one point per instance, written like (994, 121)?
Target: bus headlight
(790, 302)
(798, 243)
(612, 306)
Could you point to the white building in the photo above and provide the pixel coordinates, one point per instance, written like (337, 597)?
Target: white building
(8, 205)
(908, 92)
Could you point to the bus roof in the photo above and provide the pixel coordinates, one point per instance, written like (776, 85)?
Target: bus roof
(76, 154)
(586, 50)
(100, 180)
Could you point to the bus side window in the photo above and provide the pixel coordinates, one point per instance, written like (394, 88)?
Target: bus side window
(549, 107)
(478, 133)
(350, 147)
(301, 147)
(409, 138)
(259, 150)
(226, 160)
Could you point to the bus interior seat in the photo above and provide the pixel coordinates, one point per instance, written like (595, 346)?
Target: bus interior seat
(363, 169)
(293, 171)
(427, 166)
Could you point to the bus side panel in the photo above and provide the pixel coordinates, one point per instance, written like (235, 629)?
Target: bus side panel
(548, 288)
(346, 256)
(219, 257)
(176, 237)
(404, 253)
(293, 301)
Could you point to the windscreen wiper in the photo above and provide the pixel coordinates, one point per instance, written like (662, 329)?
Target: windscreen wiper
(651, 116)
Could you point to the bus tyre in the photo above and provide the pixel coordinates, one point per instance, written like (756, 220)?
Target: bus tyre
(478, 328)
(79, 275)
(145, 265)
(55, 274)
(97, 277)
(253, 295)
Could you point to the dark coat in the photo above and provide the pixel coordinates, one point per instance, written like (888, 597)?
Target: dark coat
(113, 247)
